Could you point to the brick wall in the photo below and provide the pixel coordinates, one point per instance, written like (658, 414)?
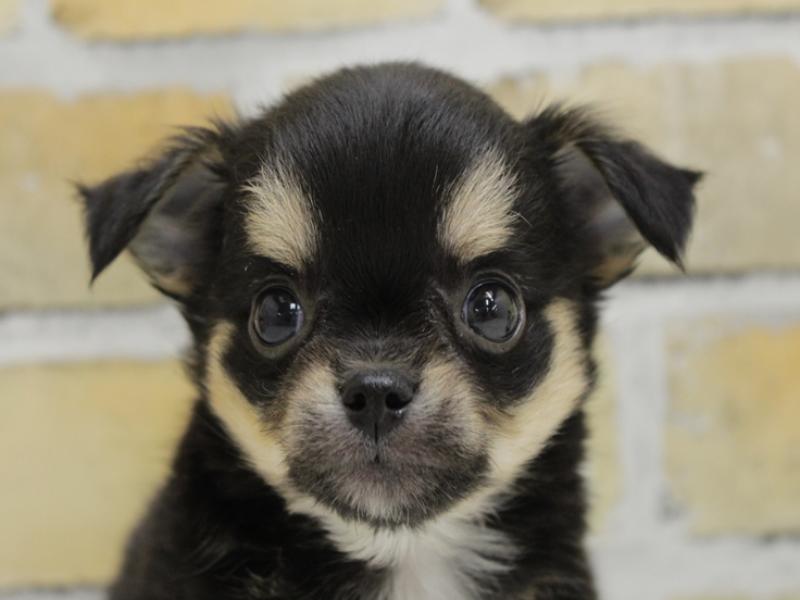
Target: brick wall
(696, 446)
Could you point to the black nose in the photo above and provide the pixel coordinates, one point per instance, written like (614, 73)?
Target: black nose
(375, 400)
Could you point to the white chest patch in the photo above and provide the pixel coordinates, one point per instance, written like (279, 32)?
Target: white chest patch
(451, 558)
(446, 560)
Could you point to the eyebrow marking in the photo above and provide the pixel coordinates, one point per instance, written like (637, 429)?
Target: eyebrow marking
(281, 222)
(479, 216)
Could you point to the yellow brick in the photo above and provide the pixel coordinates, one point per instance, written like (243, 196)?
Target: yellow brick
(44, 144)
(707, 117)
(128, 19)
(554, 10)
(8, 14)
(604, 471)
(82, 449)
(732, 439)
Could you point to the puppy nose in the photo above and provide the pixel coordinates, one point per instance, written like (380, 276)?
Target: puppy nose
(375, 400)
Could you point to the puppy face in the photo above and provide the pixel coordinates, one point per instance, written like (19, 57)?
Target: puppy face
(390, 281)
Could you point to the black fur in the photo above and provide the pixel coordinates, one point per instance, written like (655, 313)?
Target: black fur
(378, 149)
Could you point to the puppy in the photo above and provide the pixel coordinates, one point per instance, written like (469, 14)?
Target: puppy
(392, 287)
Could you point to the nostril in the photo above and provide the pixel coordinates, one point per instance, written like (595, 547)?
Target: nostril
(356, 402)
(376, 401)
(395, 401)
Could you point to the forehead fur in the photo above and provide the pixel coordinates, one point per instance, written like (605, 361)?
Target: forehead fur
(373, 154)
(280, 222)
(479, 215)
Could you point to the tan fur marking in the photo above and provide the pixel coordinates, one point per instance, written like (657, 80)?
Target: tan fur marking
(479, 216)
(527, 429)
(265, 450)
(240, 418)
(314, 391)
(444, 381)
(522, 434)
(281, 222)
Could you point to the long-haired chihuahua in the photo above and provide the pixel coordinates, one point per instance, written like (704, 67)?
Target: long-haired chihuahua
(392, 289)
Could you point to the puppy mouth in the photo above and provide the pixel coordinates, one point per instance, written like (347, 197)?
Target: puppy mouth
(387, 481)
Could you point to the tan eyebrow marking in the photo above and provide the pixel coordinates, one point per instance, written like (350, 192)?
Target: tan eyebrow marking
(479, 216)
(281, 222)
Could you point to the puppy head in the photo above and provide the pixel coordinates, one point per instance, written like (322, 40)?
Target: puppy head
(390, 281)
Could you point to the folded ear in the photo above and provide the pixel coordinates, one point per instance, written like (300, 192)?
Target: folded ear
(164, 212)
(616, 192)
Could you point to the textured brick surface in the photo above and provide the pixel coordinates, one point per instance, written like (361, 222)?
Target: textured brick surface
(760, 597)
(153, 18)
(8, 14)
(604, 473)
(549, 10)
(693, 475)
(712, 117)
(732, 438)
(44, 144)
(88, 594)
(83, 447)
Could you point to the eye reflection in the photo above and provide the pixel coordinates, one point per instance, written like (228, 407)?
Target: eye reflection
(492, 310)
(278, 316)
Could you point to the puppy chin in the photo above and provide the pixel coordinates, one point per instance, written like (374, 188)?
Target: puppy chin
(386, 493)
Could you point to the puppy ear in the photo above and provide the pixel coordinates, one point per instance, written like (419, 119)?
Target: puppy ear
(164, 212)
(617, 193)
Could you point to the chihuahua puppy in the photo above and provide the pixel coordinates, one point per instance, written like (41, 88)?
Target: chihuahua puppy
(392, 289)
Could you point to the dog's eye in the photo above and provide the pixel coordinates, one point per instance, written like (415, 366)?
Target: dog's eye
(277, 316)
(492, 310)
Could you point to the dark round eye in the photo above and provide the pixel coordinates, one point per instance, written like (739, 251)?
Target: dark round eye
(277, 316)
(493, 311)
